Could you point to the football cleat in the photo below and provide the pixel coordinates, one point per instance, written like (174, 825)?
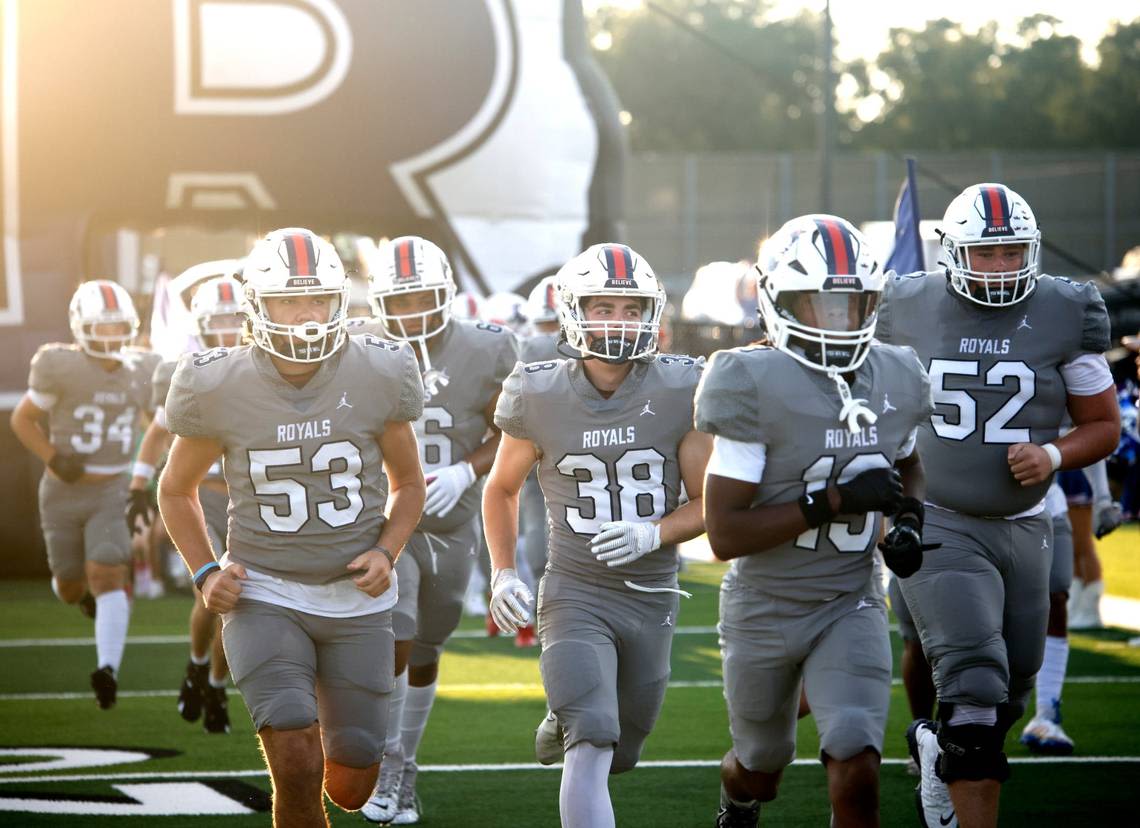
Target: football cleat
(193, 687)
(492, 627)
(525, 637)
(548, 740)
(1044, 735)
(217, 716)
(931, 797)
(105, 686)
(410, 807)
(734, 815)
(383, 805)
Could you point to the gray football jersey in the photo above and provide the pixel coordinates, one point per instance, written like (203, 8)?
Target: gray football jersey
(96, 412)
(303, 466)
(995, 379)
(762, 395)
(604, 459)
(541, 347)
(468, 368)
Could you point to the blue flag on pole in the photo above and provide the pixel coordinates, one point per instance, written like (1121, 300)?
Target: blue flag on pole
(907, 256)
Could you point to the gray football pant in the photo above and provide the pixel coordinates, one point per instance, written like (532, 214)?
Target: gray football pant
(980, 604)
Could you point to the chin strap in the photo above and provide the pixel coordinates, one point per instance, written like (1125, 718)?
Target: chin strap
(853, 408)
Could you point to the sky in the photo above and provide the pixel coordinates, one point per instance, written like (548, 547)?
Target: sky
(861, 27)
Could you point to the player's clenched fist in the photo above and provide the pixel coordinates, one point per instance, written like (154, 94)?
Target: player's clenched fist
(222, 588)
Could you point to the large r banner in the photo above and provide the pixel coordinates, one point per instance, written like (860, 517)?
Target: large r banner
(482, 124)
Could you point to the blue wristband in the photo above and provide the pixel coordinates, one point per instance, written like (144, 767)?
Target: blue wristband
(203, 573)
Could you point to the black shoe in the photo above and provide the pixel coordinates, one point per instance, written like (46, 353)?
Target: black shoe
(217, 718)
(732, 815)
(87, 605)
(194, 685)
(105, 687)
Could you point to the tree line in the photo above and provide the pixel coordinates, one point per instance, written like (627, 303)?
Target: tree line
(720, 75)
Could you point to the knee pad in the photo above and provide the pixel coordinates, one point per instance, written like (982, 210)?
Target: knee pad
(353, 747)
(289, 712)
(971, 751)
(847, 735)
(572, 676)
(984, 685)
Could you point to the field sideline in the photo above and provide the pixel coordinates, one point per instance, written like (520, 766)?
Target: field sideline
(141, 759)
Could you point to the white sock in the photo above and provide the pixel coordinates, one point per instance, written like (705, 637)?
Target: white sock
(219, 682)
(417, 708)
(1090, 600)
(112, 615)
(1076, 590)
(1052, 674)
(584, 797)
(199, 660)
(396, 713)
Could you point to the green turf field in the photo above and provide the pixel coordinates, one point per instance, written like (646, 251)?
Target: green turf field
(478, 750)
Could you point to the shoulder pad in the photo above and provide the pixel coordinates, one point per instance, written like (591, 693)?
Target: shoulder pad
(728, 401)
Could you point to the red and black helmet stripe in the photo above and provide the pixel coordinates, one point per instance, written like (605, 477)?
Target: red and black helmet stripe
(301, 254)
(225, 292)
(551, 296)
(619, 265)
(405, 253)
(995, 209)
(110, 300)
(838, 246)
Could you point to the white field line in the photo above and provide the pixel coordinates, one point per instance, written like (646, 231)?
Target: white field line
(525, 766)
(502, 687)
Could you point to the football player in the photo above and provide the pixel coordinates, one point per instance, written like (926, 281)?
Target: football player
(1008, 351)
(611, 432)
(464, 364)
(325, 487)
(814, 442)
(218, 321)
(93, 393)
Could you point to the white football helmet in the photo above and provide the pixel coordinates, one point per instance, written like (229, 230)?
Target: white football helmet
(542, 304)
(102, 302)
(508, 310)
(983, 215)
(410, 264)
(288, 263)
(218, 312)
(610, 270)
(467, 305)
(818, 286)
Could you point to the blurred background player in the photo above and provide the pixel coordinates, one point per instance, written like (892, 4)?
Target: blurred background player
(218, 320)
(814, 441)
(324, 479)
(611, 432)
(464, 364)
(93, 393)
(1008, 351)
(1093, 514)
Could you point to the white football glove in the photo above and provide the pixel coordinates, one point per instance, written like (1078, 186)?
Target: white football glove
(1106, 517)
(510, 600)
(621, 542)
(445, 487)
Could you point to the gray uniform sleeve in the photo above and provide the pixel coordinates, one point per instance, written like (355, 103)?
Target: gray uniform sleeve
(509, 413)
(1095, 337)
(183, 413)
(411, 405)
(925, 396)
(506, 358)
(45, 375)
(728, 401)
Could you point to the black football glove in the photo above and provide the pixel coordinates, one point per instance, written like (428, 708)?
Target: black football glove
(67, 467)
(875, 490)
(903, 547)
(139, 506)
